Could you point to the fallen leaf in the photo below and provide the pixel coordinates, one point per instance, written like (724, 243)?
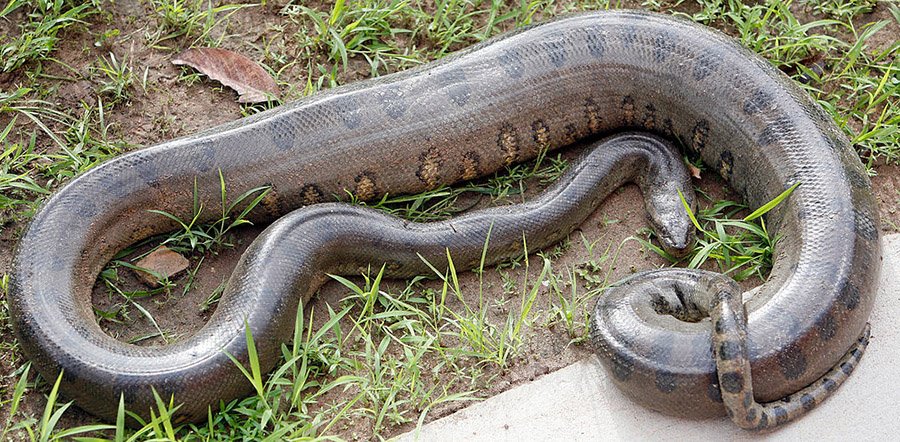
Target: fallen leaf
(695, 171)
(163, 263)
(252, 83)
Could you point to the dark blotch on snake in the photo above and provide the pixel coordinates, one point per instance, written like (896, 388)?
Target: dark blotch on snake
(596, 45)
(592, 115)
(751, 414)
(732, 381)
(780, 414)
(540, 133)
(792, 362)
(511, 62)
(705, 65)
(649, 119)
(455, 86)
(729, 350)
(311, 194)
(826, 327)
(347, 109)
(720, 326)
(849, 295)
(557, 52)
(726, 164)
(628, 110)
(857, 177)
(508, 142)
(807, 402)
(56, 263)
(431, 162)
(147, 170)
(629, 36)
(758, 101)
(393, 102)
(722, 296)
(668, 127)
(776, 130)
(829, 384)
(85, 208)
(571, 131)
(865, 226)
(699, 135)
(847, 368)
(663, 45)
(665, 382)
(206, 158)
(622, 367)
(471, 165)
(833, 143)
(763, 421)
(366, 188)
(283, 140)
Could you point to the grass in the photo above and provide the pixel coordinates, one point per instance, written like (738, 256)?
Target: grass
(859, 93)
(116, 78)
(841, 9)
(365, 29)
(859, 83)
(36, 156)
(202, 238)
(40, 23)
(739, 247)
(190, 20)
(386, 356)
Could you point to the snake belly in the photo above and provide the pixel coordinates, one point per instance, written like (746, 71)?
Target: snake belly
(459, 118)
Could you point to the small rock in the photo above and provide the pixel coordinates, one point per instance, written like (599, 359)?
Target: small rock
(163, 261)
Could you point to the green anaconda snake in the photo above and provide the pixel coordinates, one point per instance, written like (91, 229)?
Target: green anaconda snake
(463, 117)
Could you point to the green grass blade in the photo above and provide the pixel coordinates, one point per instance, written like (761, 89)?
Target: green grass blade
(687, 208)
(771, 204)
(120, 419)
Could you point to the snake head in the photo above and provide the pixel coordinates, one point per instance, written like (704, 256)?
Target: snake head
(678, 244)
(669, 218)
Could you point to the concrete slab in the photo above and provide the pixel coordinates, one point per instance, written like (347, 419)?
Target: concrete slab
(579, 402)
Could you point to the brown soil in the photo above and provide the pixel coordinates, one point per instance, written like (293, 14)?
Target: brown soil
(170, 107)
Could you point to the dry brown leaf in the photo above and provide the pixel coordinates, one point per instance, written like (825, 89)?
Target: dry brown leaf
(694, 170)
(252, 83)
(163, 263)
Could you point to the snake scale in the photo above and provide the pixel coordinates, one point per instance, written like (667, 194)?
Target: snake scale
(463, 117)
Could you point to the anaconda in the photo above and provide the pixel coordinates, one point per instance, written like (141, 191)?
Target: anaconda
(463, 117)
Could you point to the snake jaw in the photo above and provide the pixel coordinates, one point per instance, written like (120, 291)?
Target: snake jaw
(674, 231)
(677, 244)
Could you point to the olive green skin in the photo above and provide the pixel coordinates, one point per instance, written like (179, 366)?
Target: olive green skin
(459, 118)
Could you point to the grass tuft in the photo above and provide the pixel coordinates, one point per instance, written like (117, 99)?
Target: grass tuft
(40, 23)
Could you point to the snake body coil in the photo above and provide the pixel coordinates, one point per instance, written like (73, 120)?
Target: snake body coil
(459, 118)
